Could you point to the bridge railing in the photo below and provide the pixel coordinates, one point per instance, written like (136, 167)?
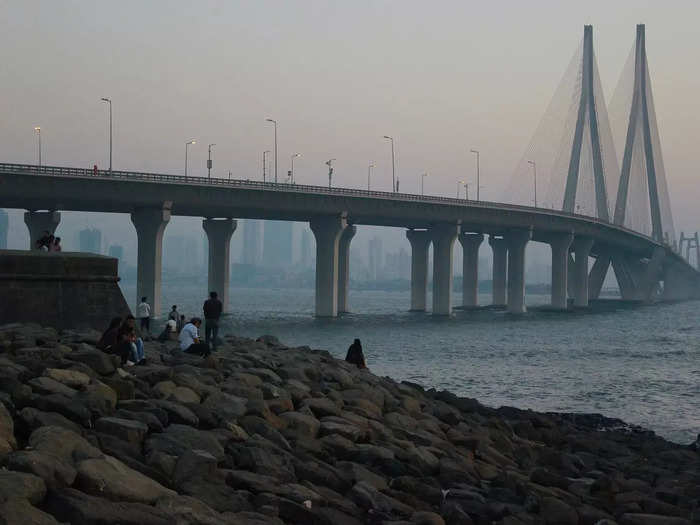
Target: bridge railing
(59, 171)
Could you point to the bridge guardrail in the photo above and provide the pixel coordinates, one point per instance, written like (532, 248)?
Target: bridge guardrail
(60, 171)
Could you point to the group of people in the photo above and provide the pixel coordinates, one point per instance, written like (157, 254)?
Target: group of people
(48, 243)
(123, 339)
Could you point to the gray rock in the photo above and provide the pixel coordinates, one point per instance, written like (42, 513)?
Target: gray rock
(186, 509)
(63, 444)
(147, 418)
(227, 408)
(99, 361)
(71, 378)
(194, 463)
(124, 429)
(177, 439)
(300, 425)
(20, 512)
(21, 485)
(56, 472)
(7, 431)
(368, 497)
(34, 418)
(72, 408)
(177, 413)
(46, 386)
(321, 407)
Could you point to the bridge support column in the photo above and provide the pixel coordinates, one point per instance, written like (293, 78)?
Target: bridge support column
(219, 232)
(582, 249)
(517, 242)
(150, 224)
(596, 277)
(500, 264)
(470, 268)
(327, 231)
(560, 244)
(420, 242)
(443, 237)
(38, 222)
(344, 267)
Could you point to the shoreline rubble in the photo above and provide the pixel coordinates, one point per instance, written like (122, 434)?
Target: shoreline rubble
(261, 433)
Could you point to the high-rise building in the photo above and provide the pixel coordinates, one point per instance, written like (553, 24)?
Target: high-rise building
(90, 240)
(277, 243)
(251, 241)
(375, 257)
(116, 251)
(307, 249)
(4, 226)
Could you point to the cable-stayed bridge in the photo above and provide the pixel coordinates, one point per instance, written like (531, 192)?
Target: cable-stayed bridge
(615, 210)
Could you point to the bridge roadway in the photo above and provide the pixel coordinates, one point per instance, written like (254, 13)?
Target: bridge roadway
(640, 262)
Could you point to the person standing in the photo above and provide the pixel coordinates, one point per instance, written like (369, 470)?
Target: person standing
(189, 338)
(212, 312)
(143, 312)
(355, 355)
(174, 315)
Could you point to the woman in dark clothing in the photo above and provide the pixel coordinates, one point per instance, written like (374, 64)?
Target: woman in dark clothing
(110, 336)
(355, 355)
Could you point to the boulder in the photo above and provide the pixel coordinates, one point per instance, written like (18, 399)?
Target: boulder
(71, 378)
(556, 512)
(651, 519)
(177, 413)
(321, 406)
(177, 439)
(99, 361)
(124, 389)
(214, 492)
(227, 408)
(194, 463)
(56, 472)
(110, 478)
(124, 429)
(368, 497)
(426, 518)
(99, 398)
(147, 418)
(34, 418)
(186, 509)
(63, 444)
(72, 408)
(300, 425)
(7, 431)
(20, 512)
(47, 385)
(20, 485)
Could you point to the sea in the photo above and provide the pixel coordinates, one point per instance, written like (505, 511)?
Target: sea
(637, 363)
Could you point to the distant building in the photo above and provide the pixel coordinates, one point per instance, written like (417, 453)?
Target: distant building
(376, 258)
(116, 251)
(252, 233)
(181, 254)
(90, 240)
(277, 243)
(4, 227)
(307, 249)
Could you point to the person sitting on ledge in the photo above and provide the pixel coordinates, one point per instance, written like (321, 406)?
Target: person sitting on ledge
(110, 337)
(56, 246)
(355, 355)
(134, 351)
(168, 331)
(189, 339)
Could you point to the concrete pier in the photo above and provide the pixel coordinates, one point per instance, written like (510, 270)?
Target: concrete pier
(344, 267)
(219, 232)
(150, 224)
(420, 242)
(38, 222)
(560, 244)
(597, 275)
(582, 249)
(327, 231)
(443, 237)
(517, 242)
(500, 264)
(470, 268)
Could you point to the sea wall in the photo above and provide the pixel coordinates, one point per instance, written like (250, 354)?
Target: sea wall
(60, 290)
(260, 433)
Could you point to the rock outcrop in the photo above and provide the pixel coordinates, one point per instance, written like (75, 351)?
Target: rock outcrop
(260, 433)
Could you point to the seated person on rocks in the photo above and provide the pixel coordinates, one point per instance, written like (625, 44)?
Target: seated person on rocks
(109, 339)
(131, 345)
(355, 355)
(189, 338)
(169, 330)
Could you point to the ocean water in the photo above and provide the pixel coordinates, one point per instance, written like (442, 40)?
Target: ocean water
(640, 364)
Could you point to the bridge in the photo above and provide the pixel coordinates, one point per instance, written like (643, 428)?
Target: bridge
(643, 255)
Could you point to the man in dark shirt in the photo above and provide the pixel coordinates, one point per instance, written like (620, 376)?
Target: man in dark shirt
(212, 313)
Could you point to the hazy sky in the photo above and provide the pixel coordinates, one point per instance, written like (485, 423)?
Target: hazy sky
(441, 77)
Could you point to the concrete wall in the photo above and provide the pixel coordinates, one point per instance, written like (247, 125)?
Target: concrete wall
(63, 290)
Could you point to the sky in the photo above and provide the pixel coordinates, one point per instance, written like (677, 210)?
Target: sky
(440, 77)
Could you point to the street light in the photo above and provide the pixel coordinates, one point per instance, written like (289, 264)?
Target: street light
(109, 101)
(393, 164)
(478, 184)
(186, 146)
(291, 173)
(37, 129)
(460, 183)
(265, 163)
(369, 173)
(329, 163)
(275, 123)
(422, 181)
(534, 172)
(209, 162)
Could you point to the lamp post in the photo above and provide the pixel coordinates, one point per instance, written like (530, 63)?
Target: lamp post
(109, 101)
(460, 183)
(291, 173)
(329, 163)
(369, 174)
(466, 191)
(422, 181)
(265, 164)
(275, 123)
(478, 183)
(209, 162)
(37, 130)
(534, 173)
(393, 164)
(186, 146)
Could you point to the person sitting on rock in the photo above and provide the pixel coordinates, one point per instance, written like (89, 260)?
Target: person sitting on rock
(134, 351)
(44, 242)
(189, 338)
(167, 332)
(56, 246)
(110, 337)
(355, 355)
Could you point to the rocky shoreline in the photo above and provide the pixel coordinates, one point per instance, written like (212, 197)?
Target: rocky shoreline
(260, 433)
